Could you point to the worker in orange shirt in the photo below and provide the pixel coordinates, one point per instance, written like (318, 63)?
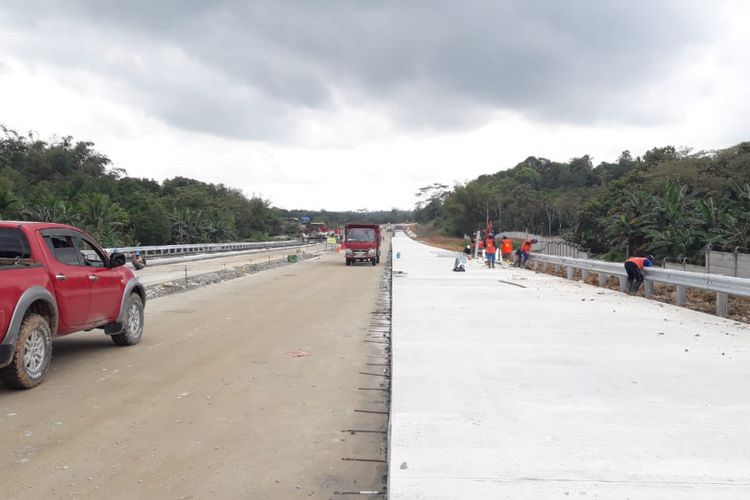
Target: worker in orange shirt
(634, 267)
(524, 251)
(506, 248)
(490, 251)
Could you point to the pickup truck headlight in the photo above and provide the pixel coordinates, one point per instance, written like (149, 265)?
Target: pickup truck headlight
(371, 251)
(349, 251)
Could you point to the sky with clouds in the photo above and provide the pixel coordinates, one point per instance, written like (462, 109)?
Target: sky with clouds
(352, 104)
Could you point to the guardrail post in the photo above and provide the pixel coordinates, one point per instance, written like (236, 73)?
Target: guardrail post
(722, 304)
(648, 288)
(736, 252)
(584, 274)
(602, 279)
(623, 283)
(571, 272)
(681, 295)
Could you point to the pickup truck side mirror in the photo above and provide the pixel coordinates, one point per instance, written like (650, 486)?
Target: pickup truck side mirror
(117, 259)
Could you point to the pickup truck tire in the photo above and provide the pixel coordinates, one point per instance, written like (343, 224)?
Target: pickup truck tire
(374, 262)
(33, 354)
(132, 329)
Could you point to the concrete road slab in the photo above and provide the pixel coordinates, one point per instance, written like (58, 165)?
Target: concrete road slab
(512, 384)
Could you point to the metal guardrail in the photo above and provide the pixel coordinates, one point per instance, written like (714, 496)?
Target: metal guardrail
(164, 251)
(723, 286)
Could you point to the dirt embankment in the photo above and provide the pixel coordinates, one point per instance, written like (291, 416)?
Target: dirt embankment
(698, 300)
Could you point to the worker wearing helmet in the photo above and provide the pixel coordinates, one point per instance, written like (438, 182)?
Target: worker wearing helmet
(634, 267)
(137, 261)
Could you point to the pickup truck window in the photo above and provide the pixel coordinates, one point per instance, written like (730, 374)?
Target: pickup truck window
(63, 249)
(14, 248)
(91, 256)
(360, 234)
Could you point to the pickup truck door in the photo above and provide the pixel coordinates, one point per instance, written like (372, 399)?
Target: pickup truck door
(107, 284)
(70, 279)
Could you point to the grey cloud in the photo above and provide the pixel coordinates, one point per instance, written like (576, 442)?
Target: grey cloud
(245, 67)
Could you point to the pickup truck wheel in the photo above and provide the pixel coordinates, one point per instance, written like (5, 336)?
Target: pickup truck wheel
(374, 262)
(132, 329)
(348, 262)
(33, 354)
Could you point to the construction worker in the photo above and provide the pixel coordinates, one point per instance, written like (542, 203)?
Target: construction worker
(524, 252)
(489, 251)
(137, 261)
(634, 267)
(506, 248)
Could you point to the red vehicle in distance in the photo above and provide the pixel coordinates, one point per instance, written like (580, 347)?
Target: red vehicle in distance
(362, 243)
(55, 280)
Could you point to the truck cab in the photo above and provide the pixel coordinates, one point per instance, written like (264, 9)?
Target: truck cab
(362, 243)
(55, 280)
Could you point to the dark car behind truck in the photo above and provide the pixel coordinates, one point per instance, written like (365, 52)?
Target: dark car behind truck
(362, 243)
(56, 280)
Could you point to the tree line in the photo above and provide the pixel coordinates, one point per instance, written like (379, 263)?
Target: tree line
(67, 181)
(670, 202)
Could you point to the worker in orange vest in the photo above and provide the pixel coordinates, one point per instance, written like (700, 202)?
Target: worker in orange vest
(489, 251)
(524, 252)
(506, 248)
(634, 267)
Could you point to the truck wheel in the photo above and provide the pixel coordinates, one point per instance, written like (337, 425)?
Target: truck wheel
(374, 262)
(348, 262)
(33, 354)
(132, 329)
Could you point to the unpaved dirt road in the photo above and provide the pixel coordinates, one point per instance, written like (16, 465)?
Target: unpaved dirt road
(210, 404)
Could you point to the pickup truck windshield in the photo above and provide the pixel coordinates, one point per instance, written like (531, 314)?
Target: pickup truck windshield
(360, 234)
(14, 248)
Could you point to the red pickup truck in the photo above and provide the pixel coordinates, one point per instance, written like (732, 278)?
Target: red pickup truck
(55, 280)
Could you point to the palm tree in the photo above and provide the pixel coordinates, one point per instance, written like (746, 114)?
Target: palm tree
(187, 225)
(52, 209)
(101, 216)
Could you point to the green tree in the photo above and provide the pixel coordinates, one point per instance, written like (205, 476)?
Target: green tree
(104, 219)
(9, 202)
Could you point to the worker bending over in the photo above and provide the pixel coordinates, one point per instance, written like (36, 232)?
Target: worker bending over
(634, 267)
(524, 252)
